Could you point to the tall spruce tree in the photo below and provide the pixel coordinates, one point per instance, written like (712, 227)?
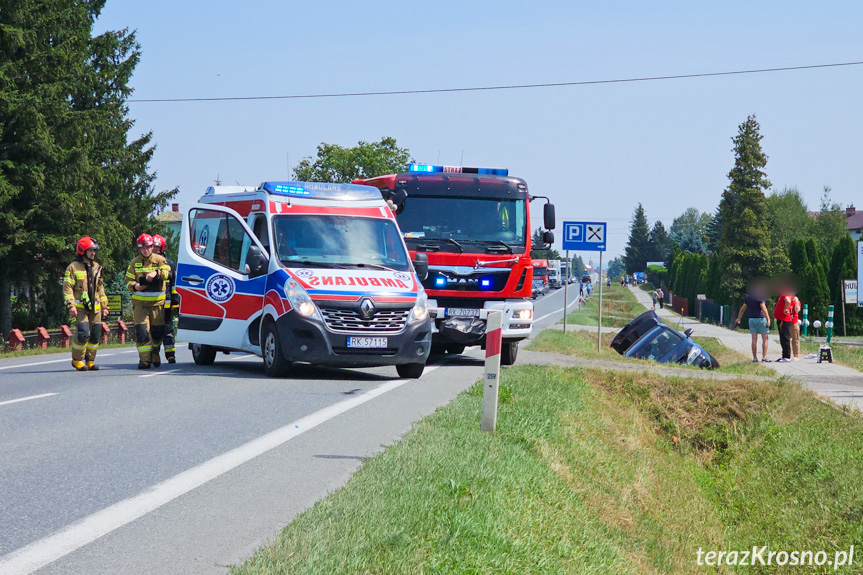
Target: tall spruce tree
(744, 243)
(638, 247)
(68, 167)
(660, 242)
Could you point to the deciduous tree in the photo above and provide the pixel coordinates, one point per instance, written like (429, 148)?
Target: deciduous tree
(337, 164)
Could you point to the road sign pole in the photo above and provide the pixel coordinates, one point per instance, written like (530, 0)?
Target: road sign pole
(599, 319)
(565, 292)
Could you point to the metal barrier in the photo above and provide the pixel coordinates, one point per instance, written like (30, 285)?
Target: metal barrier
(41, 338)
(709, 312)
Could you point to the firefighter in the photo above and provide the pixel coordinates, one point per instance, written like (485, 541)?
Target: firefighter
(172, 300)
(84, 294)
(146, 278)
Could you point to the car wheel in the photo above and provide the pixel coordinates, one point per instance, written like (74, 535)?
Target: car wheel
(455, 349)
(275, 364)
(410, 370)
(203, 354)
(508, 352)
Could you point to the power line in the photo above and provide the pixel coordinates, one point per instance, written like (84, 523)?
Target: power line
(487, 88)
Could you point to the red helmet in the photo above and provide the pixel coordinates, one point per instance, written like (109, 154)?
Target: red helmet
(160, 242)
(145, 240)
(85, 244)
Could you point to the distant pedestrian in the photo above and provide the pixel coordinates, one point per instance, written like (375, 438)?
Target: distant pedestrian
(759, 319)
(660, 295)
(654, 294)
(580, 289)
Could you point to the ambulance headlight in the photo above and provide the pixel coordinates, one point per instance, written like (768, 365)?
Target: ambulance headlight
(300, 300)
(421, 308)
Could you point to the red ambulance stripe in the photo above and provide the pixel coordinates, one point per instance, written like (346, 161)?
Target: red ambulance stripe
(274, 300)
(193, 302)
(493, 342)
(242, 306)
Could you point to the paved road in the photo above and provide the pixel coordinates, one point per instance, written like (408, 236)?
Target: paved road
(186, 469)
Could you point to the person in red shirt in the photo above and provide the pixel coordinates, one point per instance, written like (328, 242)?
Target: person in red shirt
(784, 315)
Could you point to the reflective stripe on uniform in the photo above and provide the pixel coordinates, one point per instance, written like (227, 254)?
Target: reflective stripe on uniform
(147, 347)
(148, 296)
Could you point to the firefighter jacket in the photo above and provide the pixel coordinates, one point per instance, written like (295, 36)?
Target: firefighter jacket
(172, 299)
(83, 286)
(154, 290)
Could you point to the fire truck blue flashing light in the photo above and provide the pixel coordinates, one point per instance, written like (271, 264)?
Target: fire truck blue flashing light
(440, 281)
(427, 169)
(485, 283)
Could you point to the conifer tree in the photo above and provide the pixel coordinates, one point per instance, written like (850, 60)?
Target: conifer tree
(744, 243)
(638, 247)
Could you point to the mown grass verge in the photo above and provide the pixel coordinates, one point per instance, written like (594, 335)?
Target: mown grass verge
(619, 306)
(583, 344)
(592, 472)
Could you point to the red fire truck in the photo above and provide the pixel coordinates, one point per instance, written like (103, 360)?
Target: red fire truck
(473, 225)
(540, 270)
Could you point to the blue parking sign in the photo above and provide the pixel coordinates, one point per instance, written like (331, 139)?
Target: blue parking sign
(584, 236)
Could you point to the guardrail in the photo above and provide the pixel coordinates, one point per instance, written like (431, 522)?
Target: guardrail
(41, 338)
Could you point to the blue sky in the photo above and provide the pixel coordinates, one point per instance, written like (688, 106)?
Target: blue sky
(595, 150)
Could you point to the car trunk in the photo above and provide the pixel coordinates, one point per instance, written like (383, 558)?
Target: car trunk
(634, 330)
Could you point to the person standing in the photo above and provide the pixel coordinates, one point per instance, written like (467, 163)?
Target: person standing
(795, 329)
(759, 321)
(84, 294)
(784, 316)
(146, 278)
(656, 291)
(659, 296)
(172, 300)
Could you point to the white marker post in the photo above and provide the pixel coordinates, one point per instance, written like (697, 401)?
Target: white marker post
(566, 290)
(491, 380)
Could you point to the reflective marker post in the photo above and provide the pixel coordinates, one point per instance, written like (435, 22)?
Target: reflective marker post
(491, 379)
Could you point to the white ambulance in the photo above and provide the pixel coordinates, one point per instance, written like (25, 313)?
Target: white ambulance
(301, 272)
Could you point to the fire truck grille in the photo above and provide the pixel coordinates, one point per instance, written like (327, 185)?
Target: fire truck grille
(382, 321)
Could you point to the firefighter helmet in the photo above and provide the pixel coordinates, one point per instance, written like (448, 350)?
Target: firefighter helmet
(145, 240)
(85, 244)
(160, 242)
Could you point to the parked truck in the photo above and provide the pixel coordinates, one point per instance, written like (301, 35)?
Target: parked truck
(473, 225)
(554, 278)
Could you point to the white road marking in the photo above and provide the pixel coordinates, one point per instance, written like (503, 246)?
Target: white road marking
(58, 360)
(26, 398)
(36, 555)
(154, 374)
(539, 319)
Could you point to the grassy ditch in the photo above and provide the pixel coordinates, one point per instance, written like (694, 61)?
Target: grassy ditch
(583, 344)
(592, 472)
(619, 306)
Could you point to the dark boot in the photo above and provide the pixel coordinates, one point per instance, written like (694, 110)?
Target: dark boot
(155, 360)
(143, 365)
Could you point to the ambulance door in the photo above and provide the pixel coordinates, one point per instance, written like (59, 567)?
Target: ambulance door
(221, 276)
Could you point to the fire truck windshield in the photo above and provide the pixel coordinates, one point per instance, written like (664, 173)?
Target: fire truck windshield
(475, 224)
(339, 241)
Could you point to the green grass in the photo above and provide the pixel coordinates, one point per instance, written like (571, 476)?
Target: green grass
(619, 306)
(583, 344)
(592, 472)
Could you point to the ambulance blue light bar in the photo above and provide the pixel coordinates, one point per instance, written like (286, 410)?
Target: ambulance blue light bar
(322, 191)
(427, 169)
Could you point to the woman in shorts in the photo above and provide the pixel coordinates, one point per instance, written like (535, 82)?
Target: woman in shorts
(759, 320)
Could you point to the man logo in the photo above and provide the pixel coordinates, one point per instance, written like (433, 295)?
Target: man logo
(367, 308)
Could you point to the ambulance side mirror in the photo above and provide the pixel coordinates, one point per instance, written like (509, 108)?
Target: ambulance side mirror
(421, 265)
(256, 263)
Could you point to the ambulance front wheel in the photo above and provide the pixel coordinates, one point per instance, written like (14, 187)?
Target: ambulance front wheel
(410, 370)
(203, 354)
(275, 363)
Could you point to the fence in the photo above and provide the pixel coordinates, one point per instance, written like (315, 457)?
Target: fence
(680, 305)
(41, 338)
(709, 312)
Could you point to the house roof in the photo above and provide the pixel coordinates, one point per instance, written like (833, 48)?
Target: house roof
(169, 217)
(855, 221)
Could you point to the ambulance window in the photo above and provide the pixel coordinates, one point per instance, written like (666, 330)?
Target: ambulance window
(261, 231)
(218, 237)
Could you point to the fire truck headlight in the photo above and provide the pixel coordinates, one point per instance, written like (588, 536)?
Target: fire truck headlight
(300, 300)
(421, 308)
(522, 314)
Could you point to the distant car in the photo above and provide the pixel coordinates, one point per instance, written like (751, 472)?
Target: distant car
(646, 337)
(538, 288)
(585, 279)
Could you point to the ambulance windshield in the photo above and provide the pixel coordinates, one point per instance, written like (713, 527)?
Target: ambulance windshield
(475, 224)
(339, 241)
